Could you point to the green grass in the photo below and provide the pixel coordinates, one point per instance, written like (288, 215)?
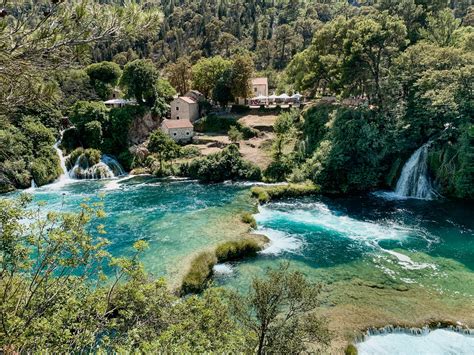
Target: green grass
(265, 194)
(199, 273)
(237, 250)
(249, 219)
(351, 350)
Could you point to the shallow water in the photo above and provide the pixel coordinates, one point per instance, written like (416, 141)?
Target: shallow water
(176, 218)
(438, 342)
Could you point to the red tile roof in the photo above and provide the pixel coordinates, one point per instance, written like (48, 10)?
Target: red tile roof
(177, 124)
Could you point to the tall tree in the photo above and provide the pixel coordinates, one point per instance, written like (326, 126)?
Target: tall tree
(179, 75)
(139, 79)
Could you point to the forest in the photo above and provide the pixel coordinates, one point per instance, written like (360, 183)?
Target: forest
(382, 78)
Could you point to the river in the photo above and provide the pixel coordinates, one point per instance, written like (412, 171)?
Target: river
(382, 261)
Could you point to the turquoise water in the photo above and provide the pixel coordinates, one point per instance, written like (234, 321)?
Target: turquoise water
(403, 239)
(390, 260)
(176, 218)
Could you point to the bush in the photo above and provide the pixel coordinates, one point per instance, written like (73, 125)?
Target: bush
(248, 218)
(237, 250)
(269, 193)
(70, 140)
(87, 158)
(214, 123)
(351, 350)
(222, 166)
(190, 151)
(199, 273)
(93, 134)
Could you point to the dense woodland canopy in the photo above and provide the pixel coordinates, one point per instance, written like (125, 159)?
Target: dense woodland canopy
(402, 75)
(407, 65)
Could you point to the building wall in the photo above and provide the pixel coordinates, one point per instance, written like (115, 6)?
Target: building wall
(259, 89)
(179, 134)
(181, 109)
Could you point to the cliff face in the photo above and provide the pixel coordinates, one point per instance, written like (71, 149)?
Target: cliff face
(141, 128)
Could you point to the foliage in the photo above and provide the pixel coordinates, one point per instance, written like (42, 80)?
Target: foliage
(83, 113)
(350, 350)
(84, 157)
(199, 273)
(277, 313)
(249, 219)
(104, 77)
(234, 134)
(221, 166)
(39, 37)
(207, 72)
(190, 151)
(138, 80)
(237, 250)
(163, 146)
(266, 194)
(242, 70)
(179, 75)
(27, 153)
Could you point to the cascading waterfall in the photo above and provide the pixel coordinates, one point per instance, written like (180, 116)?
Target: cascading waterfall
(414, 180)
(107, 168)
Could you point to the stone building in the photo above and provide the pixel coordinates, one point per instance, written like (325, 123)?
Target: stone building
(181, 130)
(184, 108)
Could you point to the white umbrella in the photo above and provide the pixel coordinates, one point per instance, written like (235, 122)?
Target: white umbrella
(261, 97)
(297, 96)
(283, 97)
(272, 97)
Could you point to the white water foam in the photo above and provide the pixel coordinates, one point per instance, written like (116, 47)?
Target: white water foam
(437, 342)
(222, 269)
(280, 242)
(320, 216)
(407, 263)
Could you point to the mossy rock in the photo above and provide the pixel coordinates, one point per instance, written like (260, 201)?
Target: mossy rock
(351, 350)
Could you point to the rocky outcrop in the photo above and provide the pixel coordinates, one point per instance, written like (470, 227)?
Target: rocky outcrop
(141, 128)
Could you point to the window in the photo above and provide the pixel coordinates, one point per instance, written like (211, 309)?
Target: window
(177, 117)
(174, 133)
(187, 133)
(177, 108)
(254, 89)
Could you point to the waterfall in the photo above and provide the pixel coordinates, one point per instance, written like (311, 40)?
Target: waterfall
(107, 168)
(62, 161)
(414, 180)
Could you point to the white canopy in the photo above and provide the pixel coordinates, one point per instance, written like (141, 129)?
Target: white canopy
(283, 97)
(297, 96)
(272, 97)
(260, 97)
(120, 102)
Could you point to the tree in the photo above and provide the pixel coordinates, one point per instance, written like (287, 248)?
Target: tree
(163, 146)
(139, 79)
(440, 28)
(179, 75)
(277, 313)
(222, 92)
(235, 135)
(42, 36)
(242, 71)
(104, 77)
(206, 73)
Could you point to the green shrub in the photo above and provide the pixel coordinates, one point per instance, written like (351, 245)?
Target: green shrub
(46, 168)
(87, 157)
(269, 193)
(190, 151)
(351, 350)
(93, 134)
(236, 250)
(199, 273)
(248, 218)
(221, 166)
(70, 140)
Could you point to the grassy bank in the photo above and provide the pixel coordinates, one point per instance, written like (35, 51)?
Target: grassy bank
(265, 194)
(200, 270)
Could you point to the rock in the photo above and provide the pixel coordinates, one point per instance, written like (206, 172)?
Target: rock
(141, 128)
(5, 184)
